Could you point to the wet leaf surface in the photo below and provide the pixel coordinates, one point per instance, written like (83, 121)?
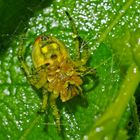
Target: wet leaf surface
(110, 29)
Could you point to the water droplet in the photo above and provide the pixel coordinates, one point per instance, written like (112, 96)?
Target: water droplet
(9, 80)
(58, 0)
(138, 41)
(55, 23)
(6, 92)
(106, 138)
(47, 10)
(103, 88)
(121, 11)
(103, 21)
(99, 129)
(85, 137)
(134, 70)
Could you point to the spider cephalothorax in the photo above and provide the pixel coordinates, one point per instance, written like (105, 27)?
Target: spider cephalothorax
(61, 75)
(55, 72)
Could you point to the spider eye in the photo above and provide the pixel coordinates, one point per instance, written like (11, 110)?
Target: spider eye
(43, 38)
(53, 56)
(47, 64)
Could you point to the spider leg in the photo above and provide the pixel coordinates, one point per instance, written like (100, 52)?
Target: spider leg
(44, 101)
(55, 110)
(80, 45)
(75, 35)
(82, 70)
(21, 52)
(31, 75)
(89, 71)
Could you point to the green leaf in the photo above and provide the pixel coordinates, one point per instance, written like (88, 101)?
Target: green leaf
(107, 125)
(109, 109)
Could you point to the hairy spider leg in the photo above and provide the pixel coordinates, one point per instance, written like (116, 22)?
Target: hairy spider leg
(24, 66)
(33, 79)
(75, 35)
(44, 100)
(55, 110)
(82, 53)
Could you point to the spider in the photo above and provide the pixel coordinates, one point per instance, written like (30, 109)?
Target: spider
(55, 72)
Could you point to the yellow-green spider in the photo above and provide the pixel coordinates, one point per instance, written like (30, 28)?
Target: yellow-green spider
(55, 72)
